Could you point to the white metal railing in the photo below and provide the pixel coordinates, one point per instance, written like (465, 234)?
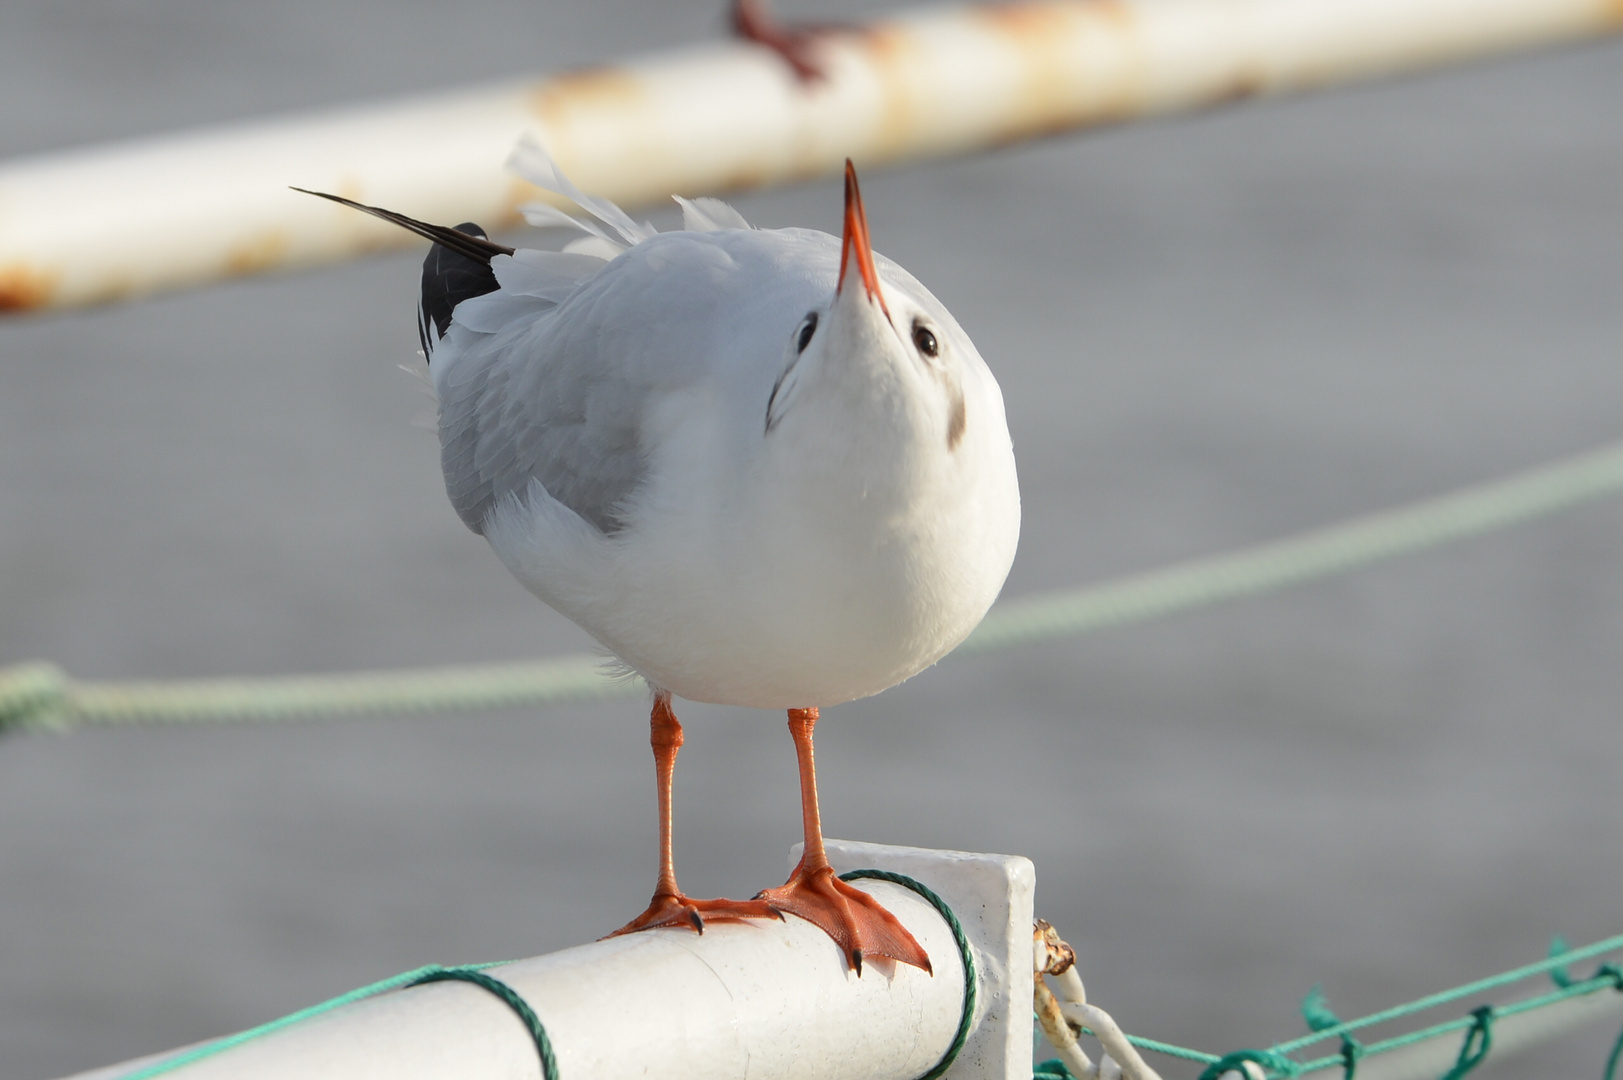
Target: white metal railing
(115, 222)
(759, 999)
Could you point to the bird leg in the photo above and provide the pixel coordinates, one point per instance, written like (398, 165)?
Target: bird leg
(854, 919)
(669, 906)
(752, 22)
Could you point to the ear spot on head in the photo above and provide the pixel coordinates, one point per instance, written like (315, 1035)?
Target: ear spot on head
(956, 420)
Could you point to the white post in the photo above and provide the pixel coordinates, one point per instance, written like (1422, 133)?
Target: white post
(117, 222)
(758, 1000)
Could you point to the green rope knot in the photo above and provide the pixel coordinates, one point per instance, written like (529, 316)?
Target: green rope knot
(1478, 1041)
(1275, 1064)
(33, 696)
(1564, 980)
(1316, 1011)
(1351, 1051)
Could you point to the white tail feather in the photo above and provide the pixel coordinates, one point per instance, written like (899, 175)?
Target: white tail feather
(546, 216)
(532, 162)
(595, 246)
(709, 215)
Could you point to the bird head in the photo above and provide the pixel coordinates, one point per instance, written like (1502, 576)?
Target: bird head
(884, 343)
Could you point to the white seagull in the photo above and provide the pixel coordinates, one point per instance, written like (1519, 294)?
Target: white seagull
(762, 467)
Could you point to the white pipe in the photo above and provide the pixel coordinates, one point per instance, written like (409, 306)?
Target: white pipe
(757, 1000)
(115, 222)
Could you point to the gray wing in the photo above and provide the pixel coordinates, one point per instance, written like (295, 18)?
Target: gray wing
(515, 407)
(560, 392)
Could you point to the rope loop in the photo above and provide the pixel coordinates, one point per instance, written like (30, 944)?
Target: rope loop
(967, 1016)
(1478, 1041)
(1559, 975)
(543, 1045)
(1276, 1064)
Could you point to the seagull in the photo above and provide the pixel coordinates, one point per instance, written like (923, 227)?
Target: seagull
(762, 467)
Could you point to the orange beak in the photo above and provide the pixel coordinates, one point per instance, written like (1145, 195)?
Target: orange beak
(856, 236)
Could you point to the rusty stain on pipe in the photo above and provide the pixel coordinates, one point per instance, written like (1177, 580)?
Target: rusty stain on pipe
(257, 253)
(200, 207)
(584, 90)
(23, 288)
(1051, 39)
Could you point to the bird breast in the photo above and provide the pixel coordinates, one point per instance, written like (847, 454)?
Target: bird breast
(838, 560)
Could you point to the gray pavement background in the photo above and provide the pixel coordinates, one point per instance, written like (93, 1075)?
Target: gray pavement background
(1210, 331)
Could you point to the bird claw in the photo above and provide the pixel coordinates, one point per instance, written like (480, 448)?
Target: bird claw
(675, 909)
(858, 923)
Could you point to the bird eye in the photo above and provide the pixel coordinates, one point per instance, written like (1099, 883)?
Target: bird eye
(924, 340)
(807, 329)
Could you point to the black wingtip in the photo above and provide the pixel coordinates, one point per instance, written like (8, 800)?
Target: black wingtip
(457, 266)
(474, 247)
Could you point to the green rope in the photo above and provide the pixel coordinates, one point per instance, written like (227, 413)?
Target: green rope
(1276, 1064)
(38, 695)
(1199, 1057)
(1467, 512)
(220, 1046)
(32, 695)
(538, 1033)
(1588, 986)
(468, 973)
(1481, 986)
(1477, 1025)
(967, 1014)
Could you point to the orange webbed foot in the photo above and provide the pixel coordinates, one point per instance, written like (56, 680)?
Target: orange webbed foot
(674, 909)
(857, 922)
